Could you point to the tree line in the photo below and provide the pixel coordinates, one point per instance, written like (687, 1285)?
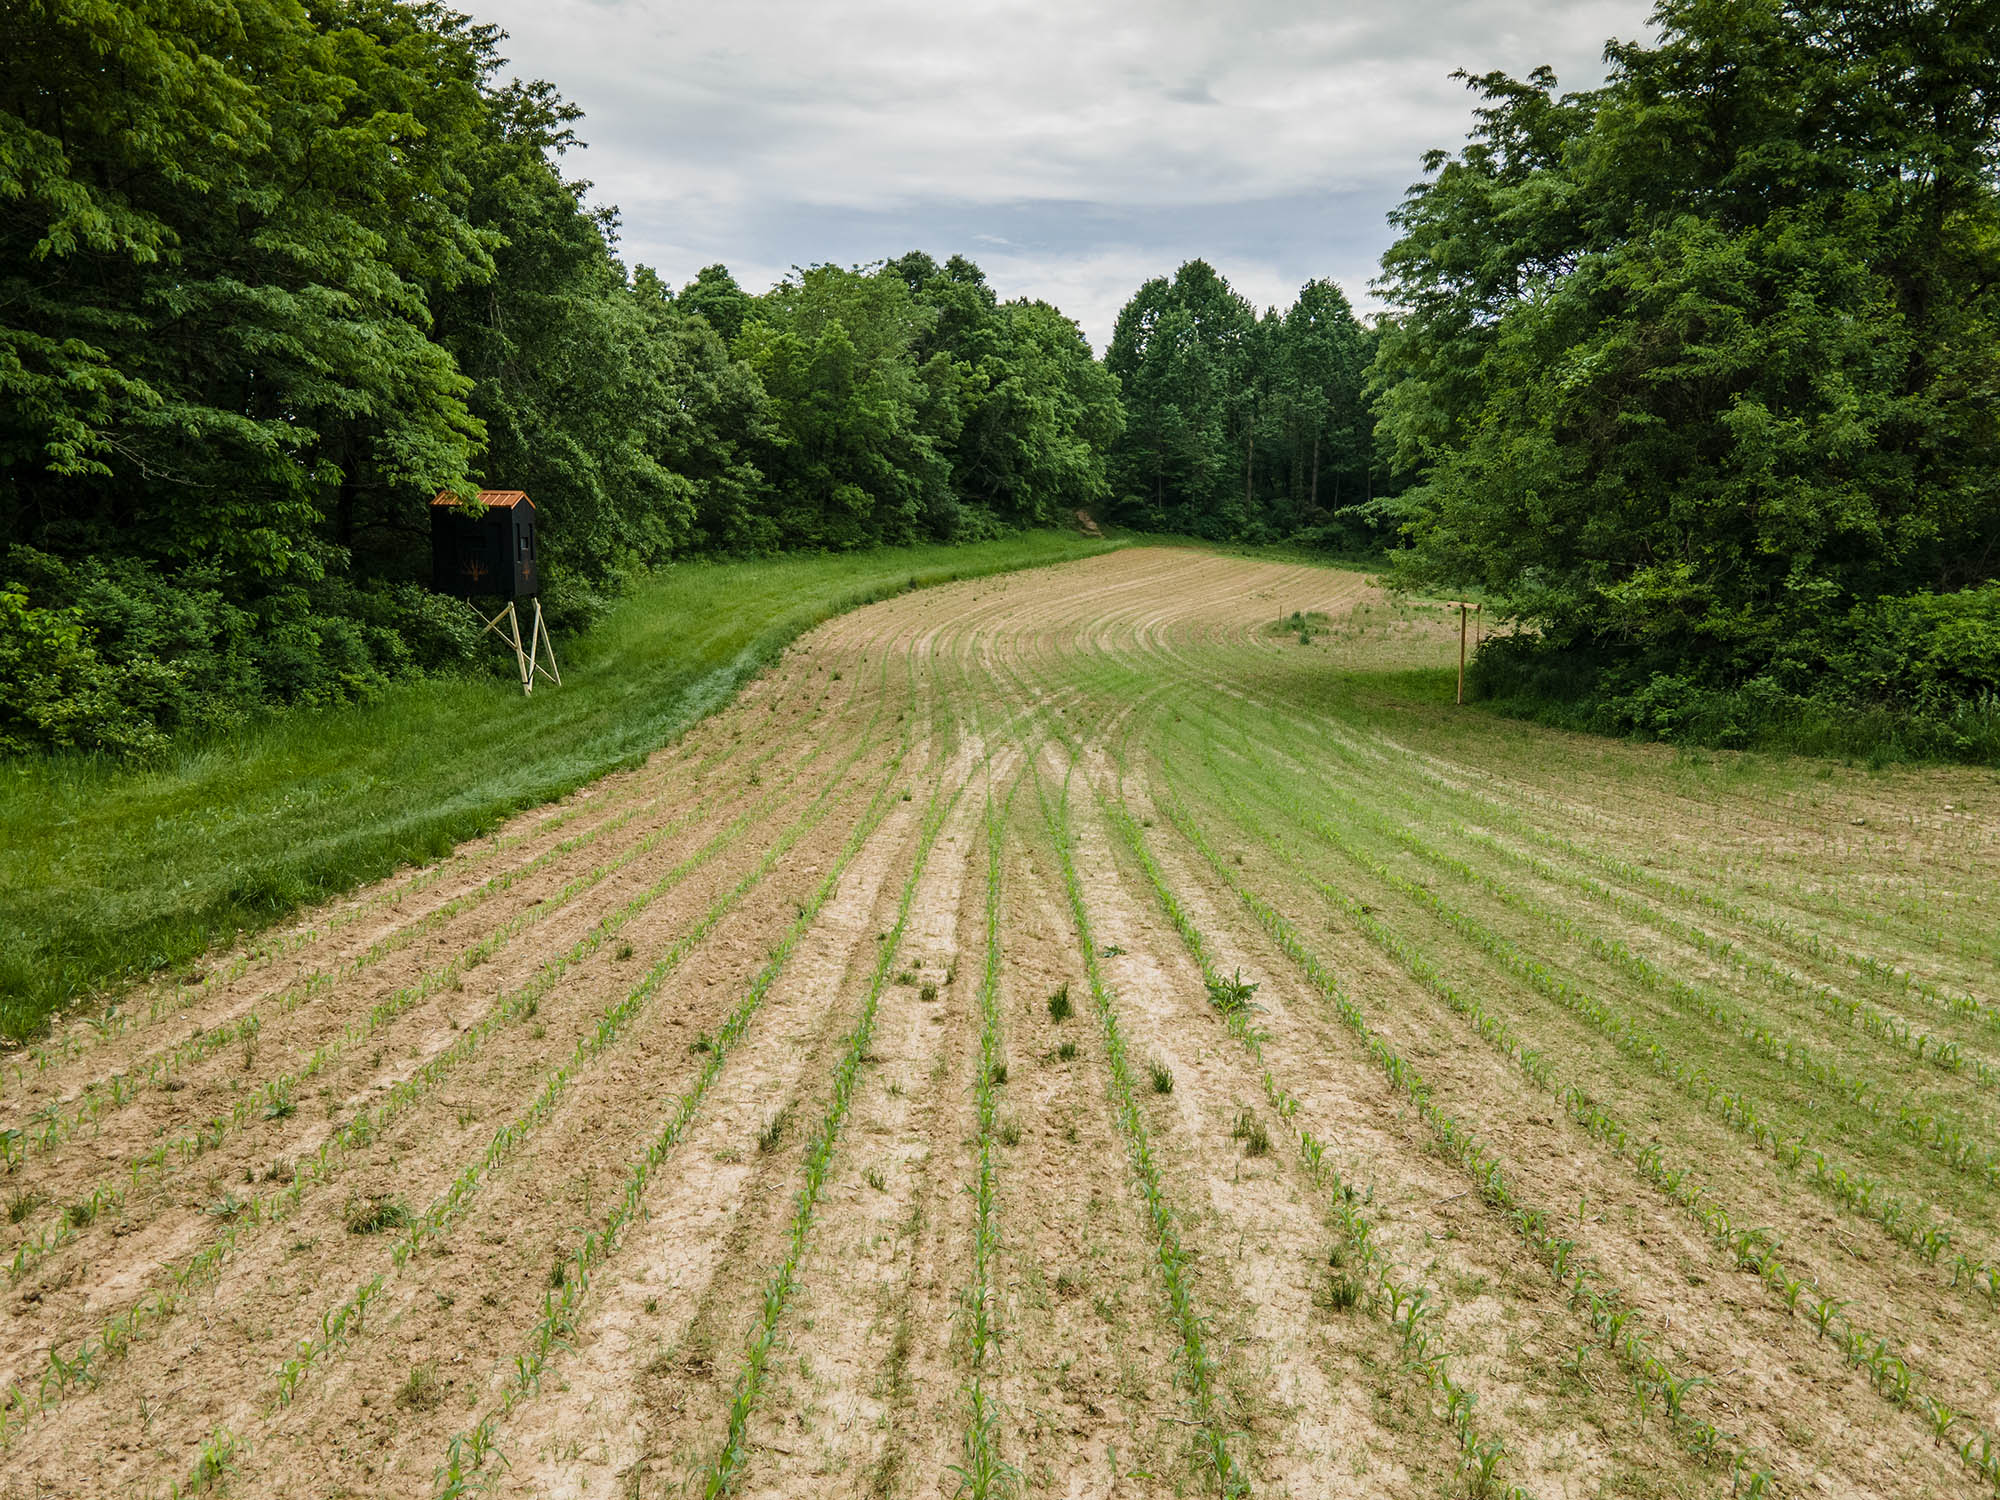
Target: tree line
(1695, 375)
(1243, 426)
(272, 275)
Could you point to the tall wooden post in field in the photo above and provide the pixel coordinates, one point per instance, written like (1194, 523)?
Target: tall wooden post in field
(1464, 607)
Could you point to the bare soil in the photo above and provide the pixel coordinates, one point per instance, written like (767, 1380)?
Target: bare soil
(542, 1170)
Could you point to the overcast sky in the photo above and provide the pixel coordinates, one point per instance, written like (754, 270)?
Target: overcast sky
(1072, 147)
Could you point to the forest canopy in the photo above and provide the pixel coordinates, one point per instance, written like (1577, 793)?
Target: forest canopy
(1697, 371)
(1241, 426)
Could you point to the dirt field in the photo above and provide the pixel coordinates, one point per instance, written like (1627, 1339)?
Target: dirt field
(1069, 1034)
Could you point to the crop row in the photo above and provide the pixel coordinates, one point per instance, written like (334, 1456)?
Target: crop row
(112, 1341)
(1917, 1226)
(1615, 1320)
(467, 1452)
(1197, 1365)
(1750, 1249)
(277, 1098)
(783, 1280)
(445, 1210)
(1938, 1051)
(1798, 939)
(56, 1125)
(1357, 1262)
(72, 1044)
(984, 1474)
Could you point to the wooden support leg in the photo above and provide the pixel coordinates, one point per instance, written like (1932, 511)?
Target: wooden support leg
(1461, 654)
(544, 645)
(526, 654)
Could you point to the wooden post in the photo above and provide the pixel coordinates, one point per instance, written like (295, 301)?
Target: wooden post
(1464, 607)
(1461, 654)
(543, 644)
(527, 655)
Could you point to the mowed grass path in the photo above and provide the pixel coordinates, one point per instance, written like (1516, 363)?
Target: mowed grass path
(109, 873)
(1113, 1030)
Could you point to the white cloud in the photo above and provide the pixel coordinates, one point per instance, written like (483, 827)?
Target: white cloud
(1064, 145)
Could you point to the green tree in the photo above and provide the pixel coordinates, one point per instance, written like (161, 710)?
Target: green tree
(1036, 410)
(1696, 362)
(1180, 353)
(213, 263)
(855, 453)
(715, 297)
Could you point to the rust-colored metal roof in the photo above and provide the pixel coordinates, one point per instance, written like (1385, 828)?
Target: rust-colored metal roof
(505, 499)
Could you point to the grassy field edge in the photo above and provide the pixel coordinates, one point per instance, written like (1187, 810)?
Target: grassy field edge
(110, 872)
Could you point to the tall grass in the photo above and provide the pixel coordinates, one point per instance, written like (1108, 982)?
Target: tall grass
(109, 871)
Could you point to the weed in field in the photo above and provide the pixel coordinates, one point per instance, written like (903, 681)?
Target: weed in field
(81, 1213)
(1161, 1075)
(1009, 1132)
(1232, 995)
(1060, 1006)
(1343, 1289)
(24, 1203)
(421, 1389)
(1251, 1132)
(375, 1213)
(225, 1208)
(773, 1134)
(874, 1178)
(1068, 1283)
(702, 1043)
(1067, 1051)
(998, 1073)
(905, 976)
(652, 1304)
(279, 1103)
(624, 952)
(928, 992)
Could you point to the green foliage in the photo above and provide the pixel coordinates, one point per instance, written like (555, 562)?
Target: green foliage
(119, 657)
(113, 870)
(1913, 676)
(284, 273)
(1696, 363)
(855, 456)
(1036, 412)
(1241, 428)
